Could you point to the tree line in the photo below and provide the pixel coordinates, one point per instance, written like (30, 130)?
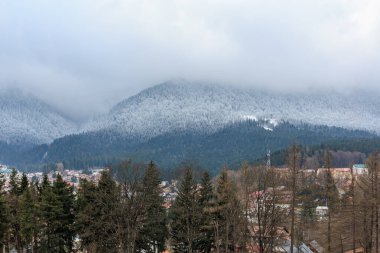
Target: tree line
(253, 209)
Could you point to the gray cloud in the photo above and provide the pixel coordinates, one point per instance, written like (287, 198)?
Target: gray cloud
(83, 56)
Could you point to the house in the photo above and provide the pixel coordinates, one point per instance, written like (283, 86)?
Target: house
(302, 248)
(321, 211)
(5, 170)
(359, 169)
(315, 247)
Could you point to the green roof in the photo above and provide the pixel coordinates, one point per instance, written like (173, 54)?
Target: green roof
(359, 166)
(6, 171)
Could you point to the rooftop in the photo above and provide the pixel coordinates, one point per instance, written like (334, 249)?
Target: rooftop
(359, 166)
(5, 170)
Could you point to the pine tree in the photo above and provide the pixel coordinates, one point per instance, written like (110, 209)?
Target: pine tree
(85, 214)
(307, 199)
(14, 205)
(96, 216)
(65, 231)
(2, 182)
(45, 183)
(229, 213)
(14, 183)
(57, 206)
(153, 233)
(4, 219)
(3, 222)
(23, 184)
(48, 207)
(206, 202)
(28, 218)
(184, 216)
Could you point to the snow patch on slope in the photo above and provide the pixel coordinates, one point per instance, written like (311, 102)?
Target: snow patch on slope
(249, 117)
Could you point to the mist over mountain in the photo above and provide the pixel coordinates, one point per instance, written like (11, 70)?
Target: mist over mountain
(27, 120)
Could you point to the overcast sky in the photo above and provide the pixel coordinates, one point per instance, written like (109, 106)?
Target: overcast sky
(85, 55)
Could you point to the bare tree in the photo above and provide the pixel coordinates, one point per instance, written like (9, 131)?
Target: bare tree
(353, 209)
(370, 187)
(263, 215)
(131, 205)
(247, 187)
(328, 187)
(294, 158)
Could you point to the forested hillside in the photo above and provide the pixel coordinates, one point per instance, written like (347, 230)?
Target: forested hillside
(345, 151)
(232, 145)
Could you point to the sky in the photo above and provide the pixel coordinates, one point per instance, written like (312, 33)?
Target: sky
(83, 56)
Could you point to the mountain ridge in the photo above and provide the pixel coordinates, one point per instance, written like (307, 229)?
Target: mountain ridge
(185, 120)
(182, 105)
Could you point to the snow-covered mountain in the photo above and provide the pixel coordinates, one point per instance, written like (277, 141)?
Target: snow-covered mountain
(177, 106)
(181, 105)
(25, 119)
(181, 121)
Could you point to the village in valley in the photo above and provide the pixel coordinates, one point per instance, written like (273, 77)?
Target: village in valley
(278, 195)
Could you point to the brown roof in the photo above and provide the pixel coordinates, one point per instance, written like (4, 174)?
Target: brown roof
(357, 250)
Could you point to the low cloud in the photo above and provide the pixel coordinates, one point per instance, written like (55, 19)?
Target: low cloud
(84, 56)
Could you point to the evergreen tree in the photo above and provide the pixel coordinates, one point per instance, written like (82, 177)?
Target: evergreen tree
(97, 214)
(65, 231)
(3, 222)
(308, 215)
(153, 233)
(4, 219)
(45, 183)
(14, 183)
(28, 218)
(23, 184)
(48, 206)
(57, 210)
(205, 241)
(184, 216)
(84, 218)
(229, 213)
(2, 182)
(307, 195)
(14, 206)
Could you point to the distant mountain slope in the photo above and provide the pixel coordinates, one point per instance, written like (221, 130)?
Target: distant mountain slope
(179, 120)
(231, 145)
(25, 120)
(181, 105)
